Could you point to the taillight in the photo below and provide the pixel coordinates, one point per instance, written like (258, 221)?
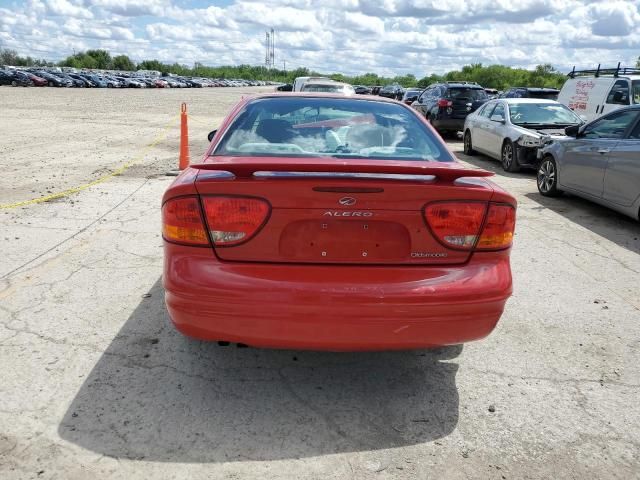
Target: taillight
(234, 220)
(498, 228)
(182, 222)
(444, 103)
(456, 224)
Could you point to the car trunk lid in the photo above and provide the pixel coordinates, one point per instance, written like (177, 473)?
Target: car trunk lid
(355, 212)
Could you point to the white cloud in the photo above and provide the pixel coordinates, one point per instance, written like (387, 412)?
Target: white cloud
(131, 8)
(352, 36)
(614, 19)
(67, 9)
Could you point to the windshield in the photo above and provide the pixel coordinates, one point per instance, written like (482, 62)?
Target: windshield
(542, 114)
(543, 94)
(331, 127)
(467, 93)
(635, 89)
(412, 93)
(325, 88)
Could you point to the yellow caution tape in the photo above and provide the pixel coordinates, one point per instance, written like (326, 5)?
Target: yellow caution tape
(119, 171)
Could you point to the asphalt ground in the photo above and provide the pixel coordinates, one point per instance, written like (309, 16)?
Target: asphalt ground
(96, 383)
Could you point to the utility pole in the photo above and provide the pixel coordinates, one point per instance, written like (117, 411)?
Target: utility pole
(267, 56)
(272, 56)
(284, 65)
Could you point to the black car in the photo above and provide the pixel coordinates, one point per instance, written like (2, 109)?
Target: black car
(532, 92)
(6, 77)
(446, 105)
(15, 78)
(287, 87)
(85, 82)
(75, 82)
(394, 91)
(411, 95)
(362, 90)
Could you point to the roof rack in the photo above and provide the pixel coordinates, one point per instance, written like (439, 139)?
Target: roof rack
(616, 72)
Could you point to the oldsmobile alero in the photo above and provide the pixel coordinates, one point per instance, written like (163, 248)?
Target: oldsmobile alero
(334, 223)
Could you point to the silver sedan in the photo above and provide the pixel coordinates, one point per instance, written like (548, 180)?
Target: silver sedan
(599, 161)
(512, 129)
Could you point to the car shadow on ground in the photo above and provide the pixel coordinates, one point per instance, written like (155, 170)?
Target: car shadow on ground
(614, 226)
(156, 395)
(492, 165)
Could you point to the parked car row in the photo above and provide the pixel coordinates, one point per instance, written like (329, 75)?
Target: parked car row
(40, 77)
(573, 147)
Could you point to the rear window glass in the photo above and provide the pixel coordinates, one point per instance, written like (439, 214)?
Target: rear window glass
(467, 93)
(322, 87)
(543, 95)
(331, 127)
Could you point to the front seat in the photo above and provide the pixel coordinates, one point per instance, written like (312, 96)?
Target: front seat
(274, 130)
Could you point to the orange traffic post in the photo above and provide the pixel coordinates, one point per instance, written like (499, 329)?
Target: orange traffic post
(184, 138)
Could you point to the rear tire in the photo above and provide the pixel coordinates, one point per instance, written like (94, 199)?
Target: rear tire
(50, 84)
(14, 83)
(509, 157)
(547, 178)
(468, 145)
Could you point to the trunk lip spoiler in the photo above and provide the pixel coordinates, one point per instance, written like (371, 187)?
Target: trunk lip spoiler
(247, 169)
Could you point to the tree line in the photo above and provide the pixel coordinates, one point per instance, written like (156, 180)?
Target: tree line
(499, 77)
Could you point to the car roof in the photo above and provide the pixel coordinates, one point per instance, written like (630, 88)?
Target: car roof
(526, 100)
(323, 82)
(536, 89)
(462, 85)
(336, 96)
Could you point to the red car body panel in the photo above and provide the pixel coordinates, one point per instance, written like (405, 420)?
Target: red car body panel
(37, 81)
(292, 285)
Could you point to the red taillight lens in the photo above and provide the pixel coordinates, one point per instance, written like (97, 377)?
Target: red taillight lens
(182, 222)
(443, 102)
(233, 220)
(498, 228)
(456, 224)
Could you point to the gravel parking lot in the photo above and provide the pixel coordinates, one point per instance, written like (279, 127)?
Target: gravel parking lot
(96, 382)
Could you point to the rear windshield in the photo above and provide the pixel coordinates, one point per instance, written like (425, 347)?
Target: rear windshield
(322, 87)
(543, 95)
(461, 93)
(331, 127)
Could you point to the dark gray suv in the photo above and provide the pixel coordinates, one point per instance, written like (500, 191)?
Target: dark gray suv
(446, 105)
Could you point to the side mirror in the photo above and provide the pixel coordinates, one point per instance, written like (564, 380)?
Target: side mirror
(572, 131)
(497, 118)
(212, 134)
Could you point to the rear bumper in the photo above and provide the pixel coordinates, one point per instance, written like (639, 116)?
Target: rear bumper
(336, 308)
(448, 123)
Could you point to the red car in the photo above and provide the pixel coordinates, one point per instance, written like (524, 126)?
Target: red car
(37, 81)
(334, 223)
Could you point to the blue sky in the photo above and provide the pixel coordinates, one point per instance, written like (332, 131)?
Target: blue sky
(349, 36)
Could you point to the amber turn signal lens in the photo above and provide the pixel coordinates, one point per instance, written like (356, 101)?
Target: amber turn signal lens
(182, 222)
(498, 228)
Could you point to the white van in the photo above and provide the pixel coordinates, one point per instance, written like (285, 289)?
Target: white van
(592, 93)
(300, 81)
